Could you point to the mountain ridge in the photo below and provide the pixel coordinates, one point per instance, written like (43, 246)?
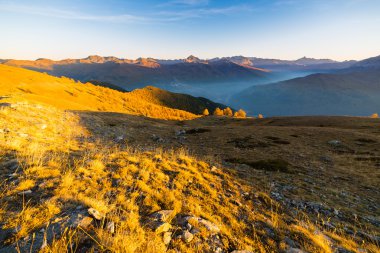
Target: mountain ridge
(351, 91)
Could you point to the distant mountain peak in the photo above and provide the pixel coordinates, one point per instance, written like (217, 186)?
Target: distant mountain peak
(95, 59)
(147, 62)
(311, 61)
(193, 59)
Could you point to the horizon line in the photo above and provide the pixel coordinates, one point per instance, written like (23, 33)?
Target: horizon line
(181, 58)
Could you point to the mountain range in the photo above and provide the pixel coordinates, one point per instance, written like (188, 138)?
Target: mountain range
(350, 91)
(306, 86)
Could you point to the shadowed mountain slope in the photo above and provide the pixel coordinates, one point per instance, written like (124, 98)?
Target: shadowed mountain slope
(352, 91)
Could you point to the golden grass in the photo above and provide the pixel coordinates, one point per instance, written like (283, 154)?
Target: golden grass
(126, 185)
(65, 93)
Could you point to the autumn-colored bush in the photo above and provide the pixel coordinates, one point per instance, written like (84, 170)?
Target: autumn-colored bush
(227, 112)
(260, 116)
(375, 116)
(205, 112)
(218, 112)
(240, 114)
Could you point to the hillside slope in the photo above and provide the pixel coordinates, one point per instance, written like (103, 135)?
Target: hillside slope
(65, 93)
(185, 102)
(68, 185)
(353, 91)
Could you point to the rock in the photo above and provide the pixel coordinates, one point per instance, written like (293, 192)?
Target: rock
(326, 159)
(214, 169)
(5, 105)
(290, 242)
(96, 214)
(43, 126)
(335, 143)
(195, 231)
(167, 237)
(197, 223)
(11, 164)
(187, 236)
(85, 222)
(119, 139)
(13, 175)
(162, 215)
(236, 202)
(158, 226)
(157, 138)
(294, 250)
(110, 226)
(27, 192)
(180, 132)
(209, 225)
(5, 234)
(343, 250)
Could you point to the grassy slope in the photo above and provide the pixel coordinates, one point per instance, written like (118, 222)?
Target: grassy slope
(67, 94)
(68, 169)
(177, 100)
(68, 172)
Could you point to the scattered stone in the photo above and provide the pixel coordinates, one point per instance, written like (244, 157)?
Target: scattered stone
(96, 214)
(85, 222)
(119, 139)
(162, 215)
(236, 202)
(27, 192)
(180, 132)
(290, 242)
(43, 126)
(343, 250)
(294, 250)
(157, 138)
(110, 226)
(160, 227)
(195, 231)
(11, 164)
(5, 234)
(23, 135)
(187, 236)
(326, 159)
(5, 105)
(167, 237)
(335, 143)
(13, 175)
(198, 223)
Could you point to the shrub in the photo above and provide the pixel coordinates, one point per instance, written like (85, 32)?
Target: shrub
(228, 112)
(375, 116)
(218, 112)
(260, 116)
(205, 112)
(240, 114)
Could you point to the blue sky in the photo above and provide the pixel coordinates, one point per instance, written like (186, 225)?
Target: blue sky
(285, 29)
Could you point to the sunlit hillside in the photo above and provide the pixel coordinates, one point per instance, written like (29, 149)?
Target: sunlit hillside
(65, 190)
(64, 93)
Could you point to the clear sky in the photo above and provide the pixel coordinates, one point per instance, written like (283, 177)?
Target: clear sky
(285, 29)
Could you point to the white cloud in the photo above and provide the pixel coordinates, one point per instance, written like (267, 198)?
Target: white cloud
(159, 16)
